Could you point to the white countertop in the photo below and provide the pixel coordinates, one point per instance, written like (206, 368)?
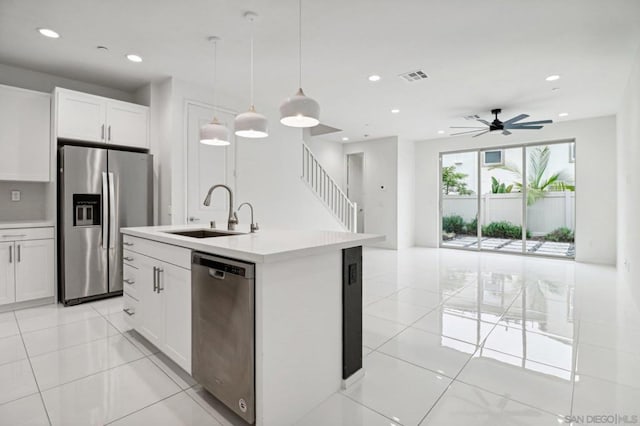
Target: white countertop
(13, 224)
(264, 246)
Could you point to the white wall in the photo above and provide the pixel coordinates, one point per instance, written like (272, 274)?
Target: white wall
(628, 180)
(43, 82)
(268, 170)
(406, 193)
(380, 187)
(595, 180)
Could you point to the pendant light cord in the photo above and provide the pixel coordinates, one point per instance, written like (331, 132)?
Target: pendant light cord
(251, 64)
(300, 43)
(215, 75)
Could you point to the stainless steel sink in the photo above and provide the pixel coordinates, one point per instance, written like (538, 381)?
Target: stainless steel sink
(202, 233)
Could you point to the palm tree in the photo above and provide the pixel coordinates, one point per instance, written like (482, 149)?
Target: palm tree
(536, 172)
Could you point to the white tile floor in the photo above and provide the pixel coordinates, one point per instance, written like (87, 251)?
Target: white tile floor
(450, 338)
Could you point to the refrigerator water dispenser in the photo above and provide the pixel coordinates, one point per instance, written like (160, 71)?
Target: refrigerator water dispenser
(86, 210)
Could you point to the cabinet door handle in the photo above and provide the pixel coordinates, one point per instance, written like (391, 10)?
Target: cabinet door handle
(129, 311)
(125, 243)
(155, 280)
(160, 287)
(109, 132)
(102, 132)
(128, 258)
(10, 254)
(130, 282)
(14, 235)
(19, 255)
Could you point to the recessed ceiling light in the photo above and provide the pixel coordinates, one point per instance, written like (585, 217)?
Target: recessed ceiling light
(344, 139)
(374, 77)
(441, 132)
(48, 33)
(563, 114)
(553, 77)
(134, 58)
(395, 111)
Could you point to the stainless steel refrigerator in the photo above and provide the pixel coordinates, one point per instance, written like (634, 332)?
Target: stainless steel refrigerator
(99, 191)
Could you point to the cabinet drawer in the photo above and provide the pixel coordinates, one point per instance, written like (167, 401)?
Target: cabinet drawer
(19, 234)
(130, 258)
(129, 281)
(129, 308)
(178, 256)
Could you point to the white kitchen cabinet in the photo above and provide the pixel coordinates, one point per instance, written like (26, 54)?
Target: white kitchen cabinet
(127, 124)
(81, 116)
(90, 118)
(25, 126)
(175, 287)
(34, 270)
(7, 274)
(163, 291)
(26, 264)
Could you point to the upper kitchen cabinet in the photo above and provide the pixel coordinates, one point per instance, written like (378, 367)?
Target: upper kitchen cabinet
(90, 118)
(25, 126)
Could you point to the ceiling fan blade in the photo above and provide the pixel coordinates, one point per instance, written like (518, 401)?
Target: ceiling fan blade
(526, 123)
(506, 132)
(467, 127)
(516, 118)
(486, 131)
(484, 121)
(467, 132)
(525, 127)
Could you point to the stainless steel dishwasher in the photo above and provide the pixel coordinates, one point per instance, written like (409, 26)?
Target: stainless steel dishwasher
(223, 327)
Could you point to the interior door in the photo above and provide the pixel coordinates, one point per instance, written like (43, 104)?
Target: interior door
(7, 273)
(207, 166)
(355, 185)
(151, 307)
(131, 192)
(34, 269)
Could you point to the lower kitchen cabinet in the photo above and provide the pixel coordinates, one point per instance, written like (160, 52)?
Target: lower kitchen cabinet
(164, 307)
(26, 266)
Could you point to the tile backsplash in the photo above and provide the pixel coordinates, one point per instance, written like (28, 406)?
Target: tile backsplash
(32, 204)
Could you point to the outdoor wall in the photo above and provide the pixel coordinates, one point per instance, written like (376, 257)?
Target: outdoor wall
(628, 181)
(380, 187)
(552, 211)
(595, 170)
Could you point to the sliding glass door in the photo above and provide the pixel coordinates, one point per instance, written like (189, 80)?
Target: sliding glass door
(515, 199)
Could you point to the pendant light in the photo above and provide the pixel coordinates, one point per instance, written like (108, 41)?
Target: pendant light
(214, 133)
(300, 110)
(250, 124)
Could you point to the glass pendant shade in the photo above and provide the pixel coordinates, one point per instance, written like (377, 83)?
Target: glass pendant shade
(215, 134)
(250, 124)
(300, 111)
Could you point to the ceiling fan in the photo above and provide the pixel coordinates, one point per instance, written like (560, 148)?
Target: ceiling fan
(499, 126)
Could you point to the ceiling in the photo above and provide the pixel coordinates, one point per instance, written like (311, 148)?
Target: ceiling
(479, 55)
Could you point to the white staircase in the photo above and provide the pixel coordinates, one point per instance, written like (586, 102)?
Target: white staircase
(328, 191)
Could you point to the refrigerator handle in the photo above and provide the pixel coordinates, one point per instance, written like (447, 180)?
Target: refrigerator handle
(112, 212)
(105, 210)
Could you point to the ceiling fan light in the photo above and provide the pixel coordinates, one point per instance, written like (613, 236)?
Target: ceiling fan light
(252, 125)
(214, 134)
(300, 111)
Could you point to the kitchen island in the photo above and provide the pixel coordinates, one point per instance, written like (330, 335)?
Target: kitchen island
(299, 336)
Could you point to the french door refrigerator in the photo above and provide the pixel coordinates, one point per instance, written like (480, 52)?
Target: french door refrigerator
(99, 191)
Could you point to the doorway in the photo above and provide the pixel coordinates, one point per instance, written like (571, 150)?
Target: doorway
(511, 199)
(206, 166)
(355, 186)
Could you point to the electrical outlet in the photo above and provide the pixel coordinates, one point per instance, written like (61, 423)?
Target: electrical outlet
(15, 195)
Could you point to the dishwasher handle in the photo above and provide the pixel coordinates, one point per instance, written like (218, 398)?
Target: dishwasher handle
(217, 274)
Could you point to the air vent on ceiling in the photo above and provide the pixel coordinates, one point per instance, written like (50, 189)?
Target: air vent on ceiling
(471, 117)
(412, 76)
